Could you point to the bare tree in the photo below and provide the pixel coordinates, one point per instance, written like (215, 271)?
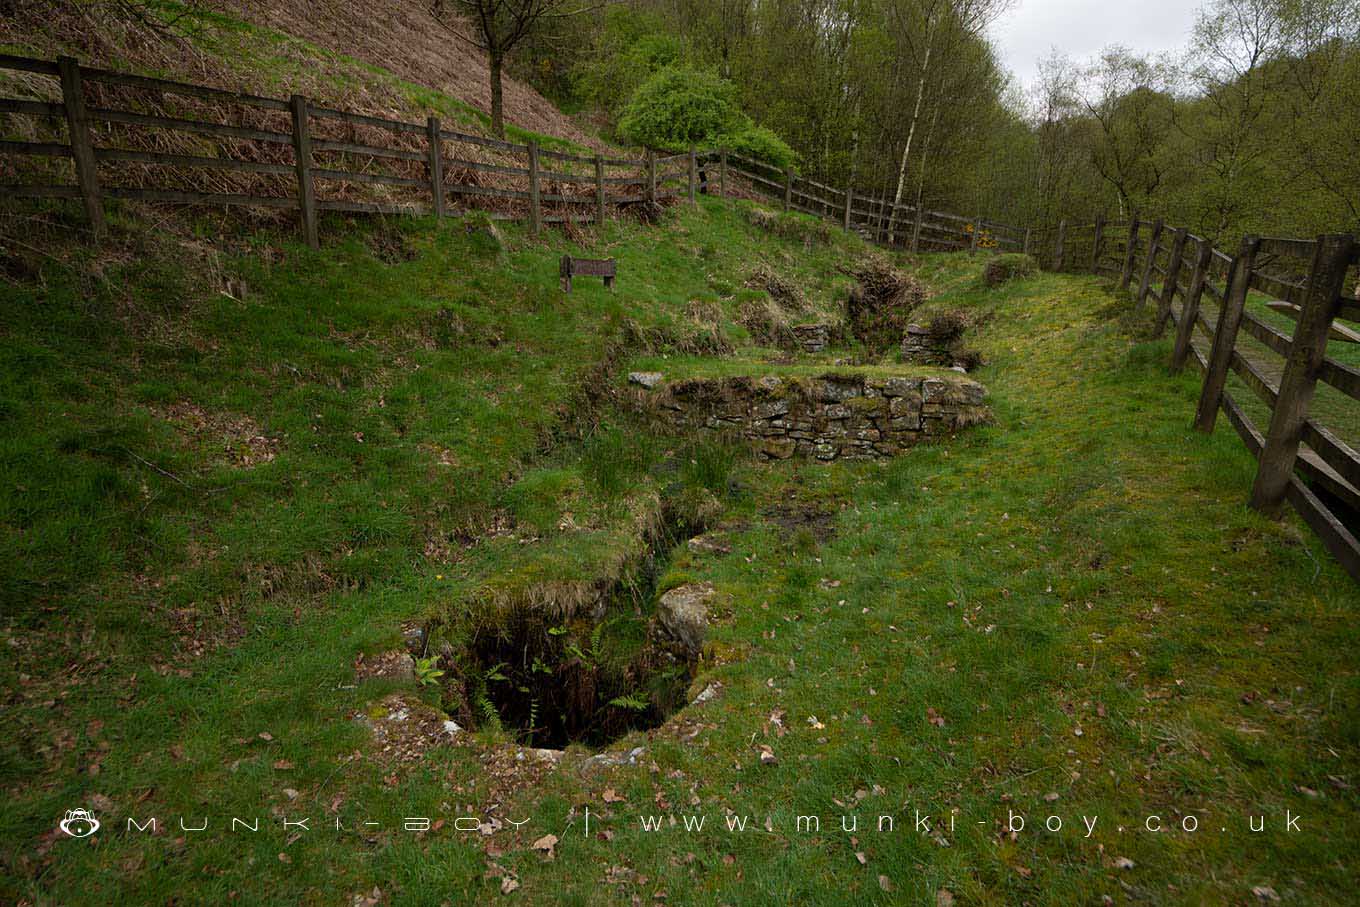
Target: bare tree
(499, 25)
(1126, 96)
(944, 21)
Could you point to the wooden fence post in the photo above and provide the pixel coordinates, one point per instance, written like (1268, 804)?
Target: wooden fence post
(1173, 276)
(849, 202)
(788, 188)
(600, 214)
(977, 236)
(82, 147)
(916, 229)
(1126, 273)
(436, 165)
(722, 173)
(693, 176)
(302, 152)
(1025, 247)
(1060, 248)
(1326, 283)
(535, 197)
(1098, 243)
(1148, 265)
(1225, 337)
(651, 177)
(1185, 331)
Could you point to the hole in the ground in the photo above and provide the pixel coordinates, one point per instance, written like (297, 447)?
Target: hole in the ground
(584, 681)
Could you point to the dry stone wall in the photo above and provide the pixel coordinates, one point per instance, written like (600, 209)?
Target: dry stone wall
(829, 417)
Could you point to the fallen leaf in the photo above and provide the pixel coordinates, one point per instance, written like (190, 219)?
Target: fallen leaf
(944, 898)
(1123, 863)
(611, 796)
(508, 884)
(1265, 893)
(546, 845)
(934, 717)
(863, 860)
(886, 884)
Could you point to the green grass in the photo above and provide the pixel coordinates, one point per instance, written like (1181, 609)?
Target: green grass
(1087, 563)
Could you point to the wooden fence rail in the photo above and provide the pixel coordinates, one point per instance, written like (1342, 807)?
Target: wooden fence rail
(1204, 293)
(321, 151)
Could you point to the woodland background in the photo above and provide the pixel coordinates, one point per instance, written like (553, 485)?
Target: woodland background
(1251, 127)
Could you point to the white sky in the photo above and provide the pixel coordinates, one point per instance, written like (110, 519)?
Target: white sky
(1080, 28)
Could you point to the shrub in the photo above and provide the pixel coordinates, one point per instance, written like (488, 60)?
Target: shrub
(760, 143)
(1011, 266)
(679, 108)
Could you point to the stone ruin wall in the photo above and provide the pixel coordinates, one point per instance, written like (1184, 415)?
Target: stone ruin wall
(828, 417)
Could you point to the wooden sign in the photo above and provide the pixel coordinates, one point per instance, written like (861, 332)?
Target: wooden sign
(586, 267)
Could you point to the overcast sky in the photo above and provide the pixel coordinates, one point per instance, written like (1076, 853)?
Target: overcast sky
(1080, 28)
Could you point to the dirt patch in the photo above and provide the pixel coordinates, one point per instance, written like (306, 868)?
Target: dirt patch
(238, 440)
(795, 519)
(389, 246)
(405, 728)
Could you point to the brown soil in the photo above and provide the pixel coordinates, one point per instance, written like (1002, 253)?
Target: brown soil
(405, 38)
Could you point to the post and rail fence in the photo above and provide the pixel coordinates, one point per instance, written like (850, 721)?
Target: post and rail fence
(311, 156)
(1218, 305)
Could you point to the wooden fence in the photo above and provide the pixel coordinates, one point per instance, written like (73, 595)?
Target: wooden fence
(1204, 293)
(294, 154)
(875, 217)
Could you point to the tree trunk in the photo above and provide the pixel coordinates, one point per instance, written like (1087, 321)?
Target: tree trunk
(911, 131)
(497, 101)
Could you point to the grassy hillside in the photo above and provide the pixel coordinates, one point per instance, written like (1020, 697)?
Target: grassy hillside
(236, 477)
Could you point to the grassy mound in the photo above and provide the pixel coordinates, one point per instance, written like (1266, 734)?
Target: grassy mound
(1007, 267)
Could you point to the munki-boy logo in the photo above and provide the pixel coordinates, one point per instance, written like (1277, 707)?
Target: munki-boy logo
(79, 823)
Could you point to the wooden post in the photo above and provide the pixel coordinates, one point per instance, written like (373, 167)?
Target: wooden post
(849, 202)
(436, 165)
(1148, 265)
(599, 191)
(1185, 331)
(1173, 276)
(1126, 273)
(1098, 243)
(1060, 248)
(916, 229)
(788, 188)
(693, 176)
(1326, 283)
(535, 197)
(651, 177)
(1025, 247)
(82, 147)
(722, 173)
(1229, 320)
(302, 152)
